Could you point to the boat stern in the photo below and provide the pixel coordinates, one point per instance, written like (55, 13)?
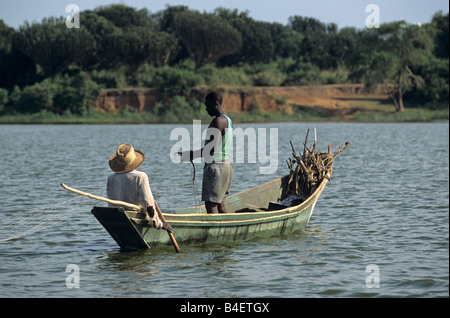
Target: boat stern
(121, 228)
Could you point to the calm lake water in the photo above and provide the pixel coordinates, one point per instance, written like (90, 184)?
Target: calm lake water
(380, 229)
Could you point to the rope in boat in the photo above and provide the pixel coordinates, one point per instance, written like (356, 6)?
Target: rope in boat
(193, 171)
(194, 184)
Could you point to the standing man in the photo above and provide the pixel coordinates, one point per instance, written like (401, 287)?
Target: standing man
(217, 173)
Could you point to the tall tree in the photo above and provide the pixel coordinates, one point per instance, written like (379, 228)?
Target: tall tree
(286, 42)
(165, 20)
(164, 50)
(315, 45)
(206, 36)
(124, 16)
(104, 49)
(390, 60)
(257, 43)
(15, 67)
(340, 44)
(137, 45)
(52, 45)
(440, 22)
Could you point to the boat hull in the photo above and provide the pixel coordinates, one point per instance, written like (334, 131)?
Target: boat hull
(194, 225)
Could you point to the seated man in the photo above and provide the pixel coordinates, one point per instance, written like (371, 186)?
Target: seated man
(132, 186)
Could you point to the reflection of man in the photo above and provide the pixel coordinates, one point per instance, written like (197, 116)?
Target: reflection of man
(217, 174)
(132, 186)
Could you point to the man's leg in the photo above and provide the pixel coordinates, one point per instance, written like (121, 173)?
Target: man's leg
(222, 208)
(211, 207)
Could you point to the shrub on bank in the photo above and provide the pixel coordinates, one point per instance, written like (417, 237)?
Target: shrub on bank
(3, 99)
(170, 80)
(61, 94)
(178, 109)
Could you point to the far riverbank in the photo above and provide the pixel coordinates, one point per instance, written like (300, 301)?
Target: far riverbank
(320, 103)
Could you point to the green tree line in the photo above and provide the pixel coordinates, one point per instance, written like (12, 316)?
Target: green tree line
(47, 66)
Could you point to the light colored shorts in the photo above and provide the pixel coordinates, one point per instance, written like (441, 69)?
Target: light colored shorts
(217, 178)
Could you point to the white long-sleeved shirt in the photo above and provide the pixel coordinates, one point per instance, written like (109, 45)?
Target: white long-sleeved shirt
(132, 187)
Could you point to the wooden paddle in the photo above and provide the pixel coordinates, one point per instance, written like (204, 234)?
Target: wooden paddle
(130, 205)
(172, 238)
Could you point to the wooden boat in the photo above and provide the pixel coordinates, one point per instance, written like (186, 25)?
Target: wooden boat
(257, 212)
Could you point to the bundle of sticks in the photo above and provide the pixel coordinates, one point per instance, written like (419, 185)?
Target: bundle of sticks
(309, 169)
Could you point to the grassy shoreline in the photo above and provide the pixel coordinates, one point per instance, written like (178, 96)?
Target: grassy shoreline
(376, 110)
(411, 115)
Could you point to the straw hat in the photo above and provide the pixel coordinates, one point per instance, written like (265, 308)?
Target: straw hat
(126, 159)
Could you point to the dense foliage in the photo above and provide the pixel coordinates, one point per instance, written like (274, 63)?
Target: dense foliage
(48, 67)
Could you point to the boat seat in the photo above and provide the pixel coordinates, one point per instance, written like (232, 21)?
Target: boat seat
(251, 208)
(285, 204)
(256, 208)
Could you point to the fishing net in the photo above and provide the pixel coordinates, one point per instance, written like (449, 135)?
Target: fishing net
(36, 220)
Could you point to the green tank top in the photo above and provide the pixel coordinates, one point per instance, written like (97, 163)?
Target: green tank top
(223, 151)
